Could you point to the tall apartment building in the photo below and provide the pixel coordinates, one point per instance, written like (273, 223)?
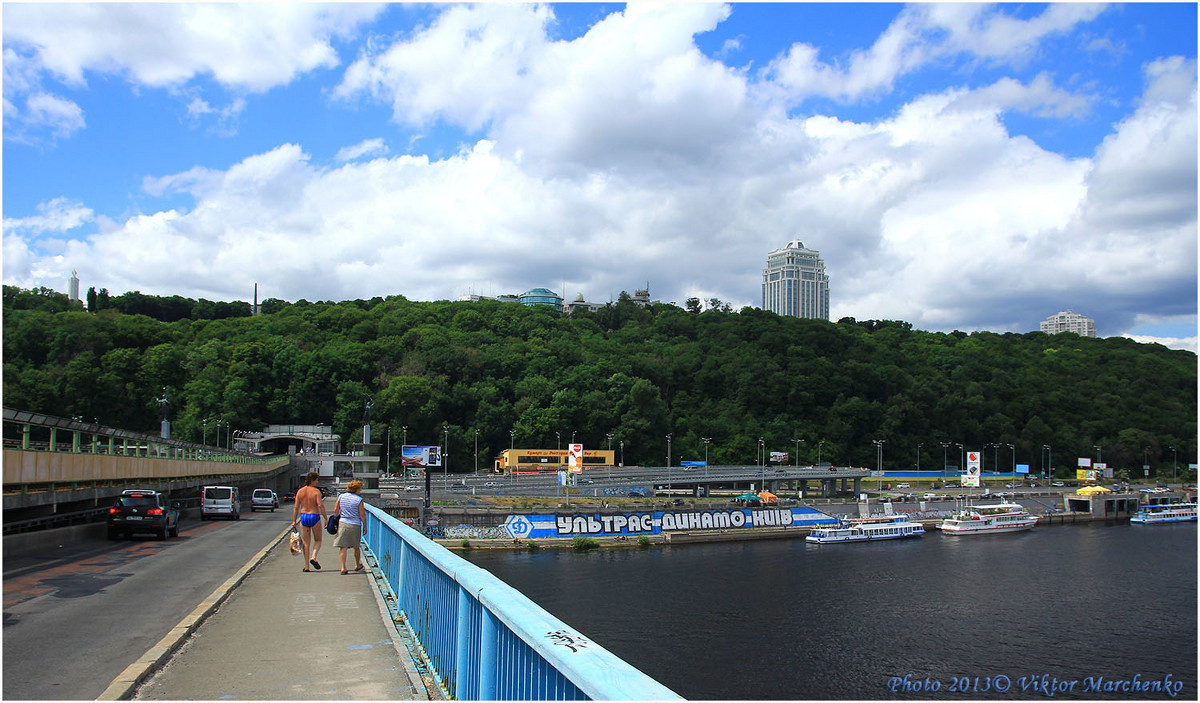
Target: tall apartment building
(794, 282)
(1069, 321)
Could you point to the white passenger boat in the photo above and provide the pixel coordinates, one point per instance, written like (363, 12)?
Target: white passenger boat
(868, 530)
(988, 519)
(1168, 512)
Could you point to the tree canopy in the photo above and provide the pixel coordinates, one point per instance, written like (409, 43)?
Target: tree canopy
(635, 373)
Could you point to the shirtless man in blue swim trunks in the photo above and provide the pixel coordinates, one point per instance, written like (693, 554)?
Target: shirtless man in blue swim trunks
(310, 514)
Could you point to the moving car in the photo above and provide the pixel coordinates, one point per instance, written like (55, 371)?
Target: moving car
(143, 511)
(264, 498)
(493, 484)
(220, 501)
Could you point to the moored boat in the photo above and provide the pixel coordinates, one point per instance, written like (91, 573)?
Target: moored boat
(1168, 512)
(867, 530)
(988, 519)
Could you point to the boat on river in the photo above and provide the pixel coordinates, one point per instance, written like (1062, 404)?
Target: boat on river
(988, 519)
(867, 530)
(1168, 512)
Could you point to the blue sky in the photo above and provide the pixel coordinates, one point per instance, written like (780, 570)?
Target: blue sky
(957, 166)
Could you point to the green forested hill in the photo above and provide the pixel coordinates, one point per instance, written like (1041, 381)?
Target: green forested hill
(637, 374)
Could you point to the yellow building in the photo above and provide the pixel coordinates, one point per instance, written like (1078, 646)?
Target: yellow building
(538, 460)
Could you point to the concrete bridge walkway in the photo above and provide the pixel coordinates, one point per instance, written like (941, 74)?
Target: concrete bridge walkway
(282, 634)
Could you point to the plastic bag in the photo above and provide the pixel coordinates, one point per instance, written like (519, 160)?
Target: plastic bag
(294, 542)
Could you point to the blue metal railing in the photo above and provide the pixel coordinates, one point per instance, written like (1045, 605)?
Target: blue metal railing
(483, 639)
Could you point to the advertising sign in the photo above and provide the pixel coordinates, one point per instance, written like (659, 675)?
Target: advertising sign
(575, 458)
(1022, 468)
(693, 463)
(779, 457)
(974, 464)
(420, 457)
(1084, 462)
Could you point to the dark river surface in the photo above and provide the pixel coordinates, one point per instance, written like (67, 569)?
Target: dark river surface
(1076, 611)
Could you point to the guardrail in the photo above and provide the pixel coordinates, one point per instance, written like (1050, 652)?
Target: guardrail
(483, 639)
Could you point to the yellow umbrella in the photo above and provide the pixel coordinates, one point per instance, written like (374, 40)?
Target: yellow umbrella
(1091, 490)
(768, 497)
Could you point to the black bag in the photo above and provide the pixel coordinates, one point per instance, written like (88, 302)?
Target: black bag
(332, 525)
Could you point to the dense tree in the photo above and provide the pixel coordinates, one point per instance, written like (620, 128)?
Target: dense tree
(528, 376)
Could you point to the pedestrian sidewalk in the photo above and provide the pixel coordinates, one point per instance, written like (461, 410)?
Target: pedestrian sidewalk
(283, 634)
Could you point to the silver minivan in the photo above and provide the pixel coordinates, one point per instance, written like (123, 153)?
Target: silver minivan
(220, 501)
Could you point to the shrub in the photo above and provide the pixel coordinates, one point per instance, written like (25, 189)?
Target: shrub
(643, 541)
(533, 545)
(466, 544)
(582, 544)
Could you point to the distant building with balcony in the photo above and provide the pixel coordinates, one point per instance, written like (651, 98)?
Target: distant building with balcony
(1069, 321)
(794, 282)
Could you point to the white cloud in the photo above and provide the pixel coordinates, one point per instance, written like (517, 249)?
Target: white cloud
(249, 46)
(58, 215)
(922, 34)
(626, 156)
(367, 147)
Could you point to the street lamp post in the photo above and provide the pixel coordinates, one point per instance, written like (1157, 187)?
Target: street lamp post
(446, 459)
(670, 487)
(945, 446)
(1174, 464)
(706, 440)
(477, 452)
(1049, 468)
(559, 447)
(622, 452)
(878, 464)
(797, 462)
(762, 462)
(1014, 462)
(204, 432)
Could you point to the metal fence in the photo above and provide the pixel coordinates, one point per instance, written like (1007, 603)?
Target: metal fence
(483, 639)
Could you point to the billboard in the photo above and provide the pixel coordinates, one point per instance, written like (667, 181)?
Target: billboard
(779, 457)
(419, 457)
(575, 458)
(974, 464)
(1022, 468)
(1084, 462)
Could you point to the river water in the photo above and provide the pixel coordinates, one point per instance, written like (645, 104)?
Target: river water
(1077, 611)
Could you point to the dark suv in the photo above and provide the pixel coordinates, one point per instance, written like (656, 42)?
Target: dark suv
(144, 511)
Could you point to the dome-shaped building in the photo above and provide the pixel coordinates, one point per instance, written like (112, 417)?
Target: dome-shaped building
(542, 296)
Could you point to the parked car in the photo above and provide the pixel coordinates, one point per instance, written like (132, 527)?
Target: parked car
(902, 486)
(265, 499)
(1012, 485)
(220, 501)
(1058, 484)
(143, 511)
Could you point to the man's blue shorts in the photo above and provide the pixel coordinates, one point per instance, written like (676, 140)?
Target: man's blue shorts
(309, 519)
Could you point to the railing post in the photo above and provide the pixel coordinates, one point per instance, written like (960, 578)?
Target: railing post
(75, 441)
(487, 657)
(53, 439)
(25, 430)
(462, 644)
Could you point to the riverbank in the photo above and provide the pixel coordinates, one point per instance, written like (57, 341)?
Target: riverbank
(466, 544)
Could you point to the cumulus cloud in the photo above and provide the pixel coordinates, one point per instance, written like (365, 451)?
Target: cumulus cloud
(627, 156)
(247, 47)
(58, 215)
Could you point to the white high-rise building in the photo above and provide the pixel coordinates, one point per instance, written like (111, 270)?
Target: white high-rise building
(794, 282)
(73, 286)
(1069, 321)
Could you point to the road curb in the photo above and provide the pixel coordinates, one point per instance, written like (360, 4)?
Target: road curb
(123, 687)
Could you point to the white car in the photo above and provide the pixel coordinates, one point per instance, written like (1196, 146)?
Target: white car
(493, 484)
(265, 499)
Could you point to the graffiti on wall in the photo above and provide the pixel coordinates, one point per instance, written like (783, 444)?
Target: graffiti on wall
(651, 523)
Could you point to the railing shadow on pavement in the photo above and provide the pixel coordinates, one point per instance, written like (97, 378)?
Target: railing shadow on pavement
(484, 640)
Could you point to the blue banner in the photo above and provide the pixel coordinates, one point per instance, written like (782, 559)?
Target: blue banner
(1022, 468)
(658, 522)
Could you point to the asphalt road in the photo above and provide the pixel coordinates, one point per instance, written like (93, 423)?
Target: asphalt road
(76, 619)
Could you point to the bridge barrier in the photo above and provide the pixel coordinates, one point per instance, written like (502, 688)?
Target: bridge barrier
(483, 639)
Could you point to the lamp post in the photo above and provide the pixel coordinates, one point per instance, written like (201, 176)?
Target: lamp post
(446, 458)
(819, 445)
(1014, 458)
(204, 431)
(476, 452)
(706, 440)
(622, 452)
(670, 487)
(218, 433)
(1174, 464)
(879, 463)
(1049, 467)
(919, 445)
(797, 462)
(945, 446)
(762, 462)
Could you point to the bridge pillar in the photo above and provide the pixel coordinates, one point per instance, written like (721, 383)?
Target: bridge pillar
(858, 486)
(804, 486)
(826, 487)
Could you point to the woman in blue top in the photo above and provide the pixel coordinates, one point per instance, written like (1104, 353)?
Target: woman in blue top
(352, 525)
